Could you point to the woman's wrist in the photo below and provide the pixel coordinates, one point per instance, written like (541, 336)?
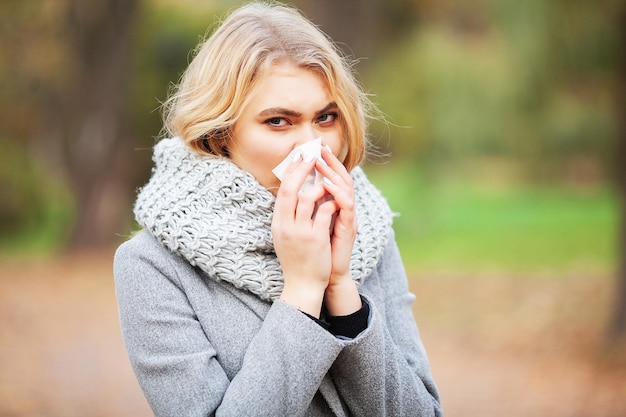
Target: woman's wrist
(306, 298)
(342, 297)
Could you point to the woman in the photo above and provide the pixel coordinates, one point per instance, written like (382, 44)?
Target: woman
(245, 295)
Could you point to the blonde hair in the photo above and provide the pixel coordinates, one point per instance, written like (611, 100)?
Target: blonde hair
(219, 80)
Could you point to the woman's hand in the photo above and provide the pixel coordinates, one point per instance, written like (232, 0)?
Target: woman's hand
(338, 183)
(341, 297)
(316, 264)
(301, 240)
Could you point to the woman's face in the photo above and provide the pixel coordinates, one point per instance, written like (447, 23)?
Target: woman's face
(290, 106)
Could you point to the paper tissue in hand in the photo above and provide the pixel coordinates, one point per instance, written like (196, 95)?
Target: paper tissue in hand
(308, 151)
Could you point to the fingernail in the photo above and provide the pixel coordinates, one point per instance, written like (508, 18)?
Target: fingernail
(296, 157)
(327, 181)
(308, 159)
(328, 148)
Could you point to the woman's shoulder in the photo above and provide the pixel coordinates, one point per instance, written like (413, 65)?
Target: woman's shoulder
(143, 251)
(141, 244)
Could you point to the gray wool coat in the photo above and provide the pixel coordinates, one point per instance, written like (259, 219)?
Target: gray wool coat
(200, 347)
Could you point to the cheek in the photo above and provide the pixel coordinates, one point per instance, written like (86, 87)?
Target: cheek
(270, 156)
(343, 153)
(264, 159)
(339, 146)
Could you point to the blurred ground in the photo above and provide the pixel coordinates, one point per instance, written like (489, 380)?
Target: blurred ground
(499, 345)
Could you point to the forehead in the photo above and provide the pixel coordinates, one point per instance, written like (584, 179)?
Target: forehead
(290, 83)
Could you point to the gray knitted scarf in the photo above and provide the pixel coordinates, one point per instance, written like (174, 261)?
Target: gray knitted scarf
(218, 218)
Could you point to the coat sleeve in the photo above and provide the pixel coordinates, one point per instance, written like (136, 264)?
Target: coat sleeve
(178, 368)
(385, 370)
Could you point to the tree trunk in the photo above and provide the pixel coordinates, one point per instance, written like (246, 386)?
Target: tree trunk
(100, 36)
(353, 24)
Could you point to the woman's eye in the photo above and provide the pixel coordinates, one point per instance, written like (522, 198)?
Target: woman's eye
(327, 118)
(276, 121)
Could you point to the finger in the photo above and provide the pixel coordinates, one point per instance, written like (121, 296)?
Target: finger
(344, 195)
(307, 201)
(287, 195)
(338, 184)
(333, 163)
(324, 216)
(296, 174)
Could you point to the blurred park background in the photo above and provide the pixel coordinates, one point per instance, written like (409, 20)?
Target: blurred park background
(503, 152)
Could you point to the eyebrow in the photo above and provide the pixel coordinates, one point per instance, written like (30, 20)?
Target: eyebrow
(330, 106)
(272, 111)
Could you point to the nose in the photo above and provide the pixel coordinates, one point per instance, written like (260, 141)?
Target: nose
(307, 134)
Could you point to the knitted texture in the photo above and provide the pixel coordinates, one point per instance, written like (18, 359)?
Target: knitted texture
(218, 217)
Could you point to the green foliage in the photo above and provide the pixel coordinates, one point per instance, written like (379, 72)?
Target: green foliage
(167, 34)
(471, 226)
(497, 89)
(19, 192)
(532, 81)
(35, 209)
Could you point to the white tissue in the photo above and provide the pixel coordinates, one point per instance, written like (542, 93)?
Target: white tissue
(308, 151)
